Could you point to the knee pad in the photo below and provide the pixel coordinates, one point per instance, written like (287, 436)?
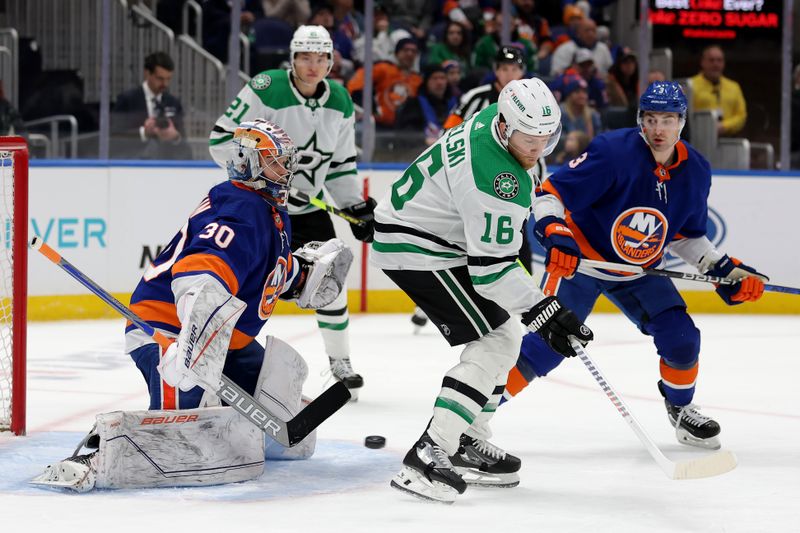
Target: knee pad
(676, 337)
(496, 352)
(280, 387)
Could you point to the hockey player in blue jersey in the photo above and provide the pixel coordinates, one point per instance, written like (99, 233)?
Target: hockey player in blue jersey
(222, 273)
(632, 194)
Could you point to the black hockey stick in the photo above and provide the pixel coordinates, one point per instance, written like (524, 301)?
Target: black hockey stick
(303, 197)
(678, 275)
(286, 433)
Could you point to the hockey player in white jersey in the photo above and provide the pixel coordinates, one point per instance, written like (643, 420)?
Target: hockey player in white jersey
(318, 115)
(448, 234)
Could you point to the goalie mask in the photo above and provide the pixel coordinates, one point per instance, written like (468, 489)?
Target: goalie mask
(314, 39)
(265, 158)
(529, 108)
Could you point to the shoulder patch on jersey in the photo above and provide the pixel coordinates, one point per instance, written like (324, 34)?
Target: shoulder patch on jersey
(260, 82)
(506, 185)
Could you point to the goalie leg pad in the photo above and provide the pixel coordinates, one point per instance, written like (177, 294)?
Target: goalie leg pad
(194, 447)
(280, 388)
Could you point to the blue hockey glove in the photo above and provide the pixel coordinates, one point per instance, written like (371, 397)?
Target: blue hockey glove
(751, 284)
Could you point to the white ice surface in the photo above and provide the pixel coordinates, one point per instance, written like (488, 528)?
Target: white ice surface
(583, 468)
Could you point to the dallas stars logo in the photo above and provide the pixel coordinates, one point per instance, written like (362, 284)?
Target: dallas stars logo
(311, 159)
(506, 185)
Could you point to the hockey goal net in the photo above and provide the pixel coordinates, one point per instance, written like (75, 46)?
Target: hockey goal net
(13, 285)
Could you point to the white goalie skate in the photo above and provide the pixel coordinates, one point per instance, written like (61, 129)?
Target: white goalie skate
(76, 473)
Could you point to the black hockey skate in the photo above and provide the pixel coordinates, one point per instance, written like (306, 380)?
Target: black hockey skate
(342, 370)
(691, 427)
(483, 464)
(428, 473)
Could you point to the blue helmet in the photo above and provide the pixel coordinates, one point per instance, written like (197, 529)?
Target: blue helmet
(663, 97)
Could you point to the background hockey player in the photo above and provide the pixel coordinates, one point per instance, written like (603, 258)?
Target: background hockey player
(509, 65)
(214, 285)
(448, 234)
(634, 192)
(318, 115)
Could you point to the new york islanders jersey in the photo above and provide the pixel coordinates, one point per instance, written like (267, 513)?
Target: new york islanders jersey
(462, 202)
(322, 128)
(238, 238)
(622, 206)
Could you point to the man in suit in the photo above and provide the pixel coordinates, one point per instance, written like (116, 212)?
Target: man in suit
(147, 122)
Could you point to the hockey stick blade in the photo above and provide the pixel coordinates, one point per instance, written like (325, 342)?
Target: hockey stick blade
(315, 413)
(287, 433)
(707, 466)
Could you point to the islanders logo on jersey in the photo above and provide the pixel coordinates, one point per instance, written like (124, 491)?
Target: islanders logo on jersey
(273, 288)
(638, 234)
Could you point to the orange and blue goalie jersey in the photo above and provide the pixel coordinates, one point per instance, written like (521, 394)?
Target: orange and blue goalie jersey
(238, 238)
(622, 206)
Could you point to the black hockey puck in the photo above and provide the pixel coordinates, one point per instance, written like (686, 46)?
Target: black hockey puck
(375, 441)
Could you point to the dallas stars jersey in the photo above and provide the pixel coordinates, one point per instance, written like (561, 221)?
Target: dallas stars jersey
(322, 128)
(462, 202)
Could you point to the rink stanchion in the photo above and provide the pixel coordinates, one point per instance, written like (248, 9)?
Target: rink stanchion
(633, 269)
(288, 433)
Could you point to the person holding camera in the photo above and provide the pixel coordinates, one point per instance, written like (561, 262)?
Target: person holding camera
(147, 121)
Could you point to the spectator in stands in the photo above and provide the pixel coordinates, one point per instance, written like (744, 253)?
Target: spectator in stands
(456, 45)
(454, 76)
(572, 17)
(488, 46)
(466, 12)
(428, 110)
(147, 121)
(217, 26)
(795, 142)
(575, 144)
(348, 21)
(508, 66)
(623, 80)
(576, 114)
(586, 37)
(392, 83)
(540, 35)
(342, 69)
(415, 16)
(713, 91)
(293, 12)
(384, 40)
(584, 66)
(10, 120)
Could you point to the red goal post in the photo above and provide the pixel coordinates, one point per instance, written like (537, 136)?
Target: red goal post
(14, 285)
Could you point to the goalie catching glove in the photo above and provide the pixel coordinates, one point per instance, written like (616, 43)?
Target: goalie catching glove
(207, 313)
(324, 267)
(556, 324)
(751, 282)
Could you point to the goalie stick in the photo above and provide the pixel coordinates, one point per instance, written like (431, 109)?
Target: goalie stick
(679, 275)
(287, 433)
(303, 197)
(707, 466)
